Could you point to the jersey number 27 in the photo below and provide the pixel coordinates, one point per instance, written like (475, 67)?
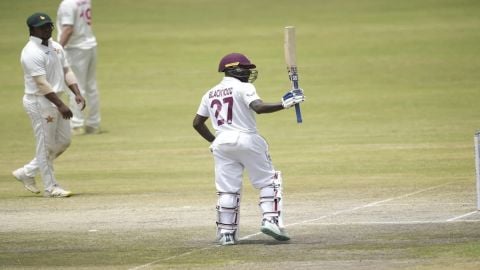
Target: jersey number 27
(217, 105)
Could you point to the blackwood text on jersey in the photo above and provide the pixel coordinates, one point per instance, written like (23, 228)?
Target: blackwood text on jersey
(220, 93)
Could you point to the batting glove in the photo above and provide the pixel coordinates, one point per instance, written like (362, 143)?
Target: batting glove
(292, 97)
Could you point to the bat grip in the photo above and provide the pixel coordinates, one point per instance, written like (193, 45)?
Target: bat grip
(298, 113)
(297, 106)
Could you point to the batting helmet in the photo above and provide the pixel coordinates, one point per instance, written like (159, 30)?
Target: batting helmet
(234, 60)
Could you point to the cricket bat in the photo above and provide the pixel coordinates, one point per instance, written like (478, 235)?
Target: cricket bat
(291, 60)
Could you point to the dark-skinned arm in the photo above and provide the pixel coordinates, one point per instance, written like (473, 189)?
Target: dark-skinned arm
(61, 107)
(202, 129)
(261, 107)
(45, 89)
(72, 83)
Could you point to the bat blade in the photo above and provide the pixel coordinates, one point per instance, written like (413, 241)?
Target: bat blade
(290, 47)
(291, 60)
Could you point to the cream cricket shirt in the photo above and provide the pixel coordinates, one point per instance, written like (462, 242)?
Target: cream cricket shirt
(38, 59)
(77, 13)
(228, 106)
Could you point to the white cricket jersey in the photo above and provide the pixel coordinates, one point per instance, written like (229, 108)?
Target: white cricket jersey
(77, 13)
(228, 106)
(38, 59)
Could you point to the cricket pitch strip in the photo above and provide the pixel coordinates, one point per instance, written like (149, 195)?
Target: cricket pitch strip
(433, 227)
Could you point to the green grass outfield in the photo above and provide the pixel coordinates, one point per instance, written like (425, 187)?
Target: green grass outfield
(377, 177)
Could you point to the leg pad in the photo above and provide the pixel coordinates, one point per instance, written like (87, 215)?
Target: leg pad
(228, 206)
(271, 199)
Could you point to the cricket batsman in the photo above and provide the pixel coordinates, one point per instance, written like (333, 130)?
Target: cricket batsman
(231, 105)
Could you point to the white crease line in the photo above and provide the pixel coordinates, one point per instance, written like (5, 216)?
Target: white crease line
(413, 222)
(171, 257)
(298, 223)
(367, 205)
(250, 236)
(429, 203)
(462, 216)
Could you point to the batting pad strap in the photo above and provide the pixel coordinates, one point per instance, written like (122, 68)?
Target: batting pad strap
(227, 210)
(270, 205)
(271, 202)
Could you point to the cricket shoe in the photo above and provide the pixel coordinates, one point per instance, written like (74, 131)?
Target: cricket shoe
(58, 192)
(78, 131)
(92, 130)
(270, 227)
(27, 181)
(227, 239)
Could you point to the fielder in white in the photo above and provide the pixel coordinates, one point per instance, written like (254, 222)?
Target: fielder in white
(236, 146)
(46, 71)
(75, 34)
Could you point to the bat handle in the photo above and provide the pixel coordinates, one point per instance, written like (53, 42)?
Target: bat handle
(298, 113)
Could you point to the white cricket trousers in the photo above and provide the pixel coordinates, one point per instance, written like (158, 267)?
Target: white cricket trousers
(235, 151)
(52, 137)
(84, 64)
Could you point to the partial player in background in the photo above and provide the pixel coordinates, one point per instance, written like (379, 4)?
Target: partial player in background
(236, 146)
(46, 72)
(74, 28)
